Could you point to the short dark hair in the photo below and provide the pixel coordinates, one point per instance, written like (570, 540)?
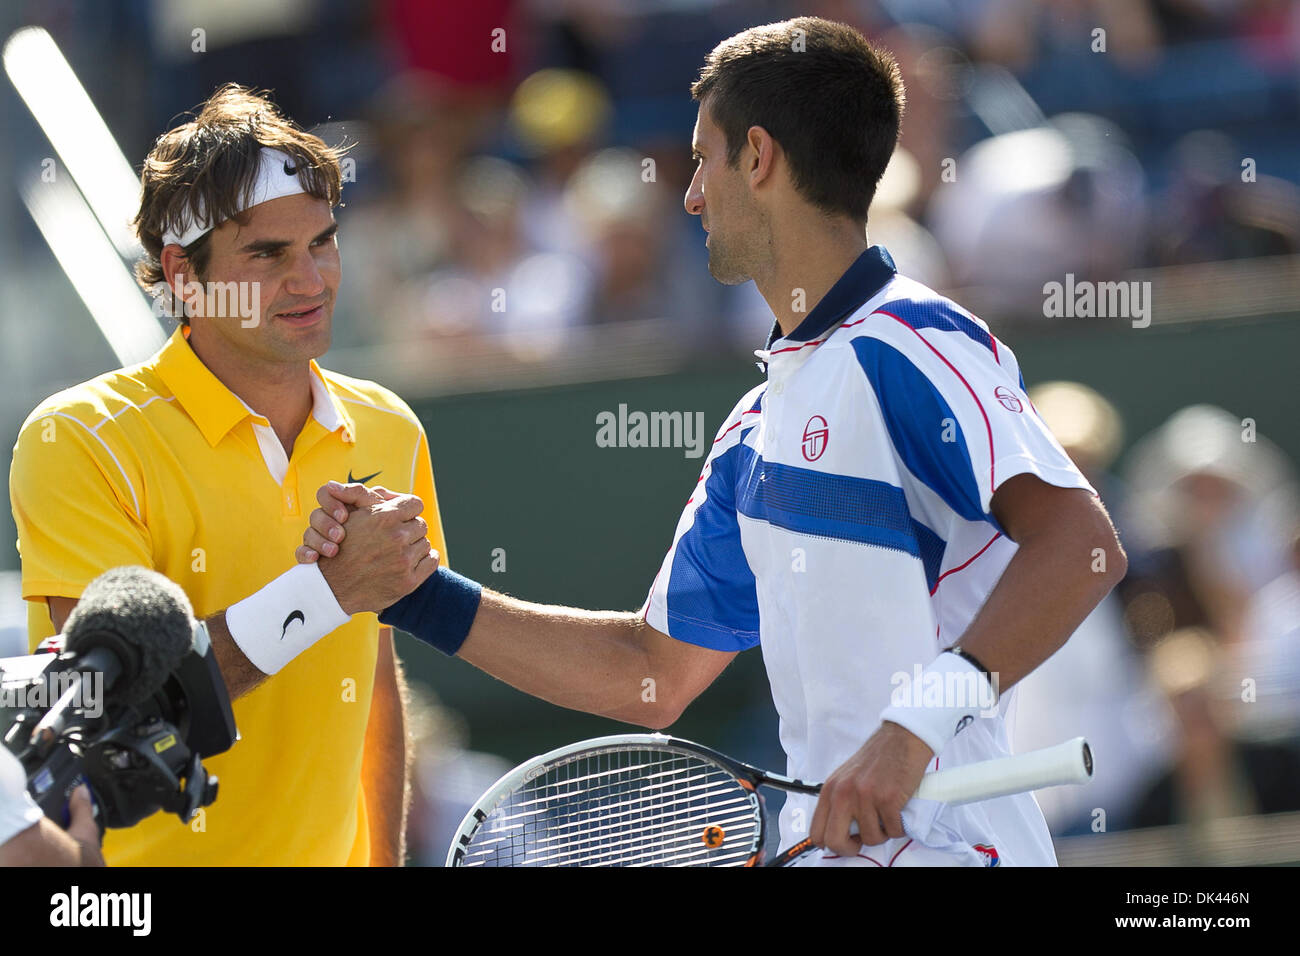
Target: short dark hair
(831, 99)
(211, 163)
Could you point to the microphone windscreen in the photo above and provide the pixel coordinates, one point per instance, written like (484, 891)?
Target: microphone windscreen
(141, 615)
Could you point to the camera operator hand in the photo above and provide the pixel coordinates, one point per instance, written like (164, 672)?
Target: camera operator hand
(29, 838)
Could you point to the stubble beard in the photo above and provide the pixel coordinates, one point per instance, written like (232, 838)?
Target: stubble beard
(726, 264)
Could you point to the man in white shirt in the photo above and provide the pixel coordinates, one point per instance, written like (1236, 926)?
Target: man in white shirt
(886, 514)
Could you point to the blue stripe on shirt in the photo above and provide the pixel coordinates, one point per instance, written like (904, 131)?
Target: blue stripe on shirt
(926, 433)
(839, 507)
(937, 314)
(712, 597)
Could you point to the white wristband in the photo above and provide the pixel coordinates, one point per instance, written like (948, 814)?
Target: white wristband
(286, 617)
(939, 702)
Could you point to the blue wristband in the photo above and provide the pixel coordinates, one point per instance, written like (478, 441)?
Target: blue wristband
(438, 612)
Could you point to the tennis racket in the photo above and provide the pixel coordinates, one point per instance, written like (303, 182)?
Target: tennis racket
(652, 800)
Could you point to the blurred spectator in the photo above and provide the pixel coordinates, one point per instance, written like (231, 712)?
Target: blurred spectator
(1212, 508)
(1209, 213)
(494, 283)
(625, 222)
(459, 42)
(1270, 31)
(1031, 206)
(1213, 775)
(397, 226)
(1268, 657)
(559, 117)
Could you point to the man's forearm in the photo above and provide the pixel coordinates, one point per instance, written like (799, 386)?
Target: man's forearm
(593, 661)
(385, 765)
(608, 663)
(239, 673)
(44, 844)
(1046, 591)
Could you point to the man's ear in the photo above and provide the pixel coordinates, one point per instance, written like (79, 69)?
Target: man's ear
(174, 262)
(760, 156)
(176, 267)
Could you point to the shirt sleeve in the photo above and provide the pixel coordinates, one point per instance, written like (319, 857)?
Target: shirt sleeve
(422, 486)
(18, 810)
(705, 592)
(78, 507)
(957, 414)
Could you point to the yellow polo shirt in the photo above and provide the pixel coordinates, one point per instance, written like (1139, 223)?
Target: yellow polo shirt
(161, 465)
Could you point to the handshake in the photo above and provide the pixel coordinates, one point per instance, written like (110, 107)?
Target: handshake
(387, 555)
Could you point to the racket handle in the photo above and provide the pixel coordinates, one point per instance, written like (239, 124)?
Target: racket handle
(1069, 762)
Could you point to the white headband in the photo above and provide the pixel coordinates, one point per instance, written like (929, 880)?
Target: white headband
(277, 176)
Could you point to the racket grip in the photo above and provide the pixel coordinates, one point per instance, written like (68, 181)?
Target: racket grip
(1069, 762)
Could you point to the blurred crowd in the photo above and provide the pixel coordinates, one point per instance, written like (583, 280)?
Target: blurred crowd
(1186, 679)
(537, 192)
(518, 168)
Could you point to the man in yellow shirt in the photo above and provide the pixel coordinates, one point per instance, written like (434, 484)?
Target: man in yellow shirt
(198, 464)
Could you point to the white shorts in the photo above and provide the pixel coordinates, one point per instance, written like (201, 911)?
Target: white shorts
(903, 851)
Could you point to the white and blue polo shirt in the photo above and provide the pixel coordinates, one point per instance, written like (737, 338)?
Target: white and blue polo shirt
(842, 523)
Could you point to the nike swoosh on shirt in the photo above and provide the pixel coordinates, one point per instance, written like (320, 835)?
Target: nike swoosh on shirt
(362, 481)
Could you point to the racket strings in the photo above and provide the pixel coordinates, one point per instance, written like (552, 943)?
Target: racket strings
(630, 807)
(680, 789)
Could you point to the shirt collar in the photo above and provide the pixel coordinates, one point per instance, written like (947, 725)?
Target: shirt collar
(326, 408)
(216, 409)
(863, 279)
